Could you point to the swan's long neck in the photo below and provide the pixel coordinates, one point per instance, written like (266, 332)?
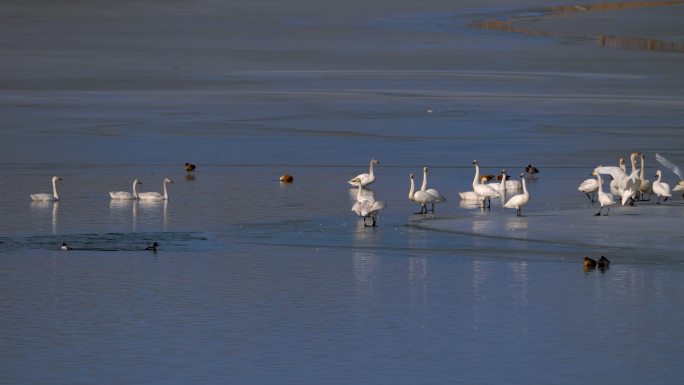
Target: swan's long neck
(658, 175)
(524, 187)
(412, 190)
(641, 173)
(358, 193)
(476, 180)
(54, 189)
(135, 191)
(166, 193)
(600, 183)
(633, 161)
(370, 169)
(423, 187)
(503, 183)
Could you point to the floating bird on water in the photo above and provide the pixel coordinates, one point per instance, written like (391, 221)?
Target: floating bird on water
(126, 194)
(589, 263)
(64, 246)
(189, 167)
(48, 197)
(603, 263)
(287, 178)
(155, 196)
(154, 247)
(531, 171)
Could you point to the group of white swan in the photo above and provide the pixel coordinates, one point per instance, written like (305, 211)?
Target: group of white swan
(367, 207)
(115, 195)
(630, 187)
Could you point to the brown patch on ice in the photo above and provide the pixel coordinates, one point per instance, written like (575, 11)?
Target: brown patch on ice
(634, 43)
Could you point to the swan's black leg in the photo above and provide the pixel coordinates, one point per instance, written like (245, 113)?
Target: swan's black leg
(599, 213)
(433, 208)
(665, 199)
(607, 210)
(590, 198)
(658, 202)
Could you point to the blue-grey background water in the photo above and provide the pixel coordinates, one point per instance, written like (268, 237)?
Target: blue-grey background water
(258, 282)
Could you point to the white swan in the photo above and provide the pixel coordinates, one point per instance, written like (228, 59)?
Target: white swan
(589, 186)
(438, 198)
(500, 185)
(48, 197)
(125, 194)
(367, 207)
(512, 185)
(365, 179)
(627, 185)
(661, 189)
(675, 169)
(155, 196)
(645, 187)
(605, 199)
(470, 195)
(421, 197)
(614, 183)
(484, 191)
(518, 201)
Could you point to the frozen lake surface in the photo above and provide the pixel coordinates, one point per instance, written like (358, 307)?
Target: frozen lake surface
(258, 282)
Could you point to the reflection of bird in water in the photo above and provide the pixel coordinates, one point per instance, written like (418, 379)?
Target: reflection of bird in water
(589, 263)
(64, 246)
(603, 263)
(48, 197)
(365, 179)
(154, 247)
(189, 167)
(530, 171)
(287, 178)
(366, 206)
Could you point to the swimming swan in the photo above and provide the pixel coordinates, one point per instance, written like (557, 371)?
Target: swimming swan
(155, 196)
(520, 200)
(484, 191)
(125, 194)
(675, 169)
(365, 179)
(48, 197)
(661, 189)
(605, 199)
(367, 207)
(421, 197)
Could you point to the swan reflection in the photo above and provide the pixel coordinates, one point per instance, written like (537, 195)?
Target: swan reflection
(44, 206)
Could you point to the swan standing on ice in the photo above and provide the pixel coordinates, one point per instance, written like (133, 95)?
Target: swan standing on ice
(421, 197)
(48, 197)
(675, 169)
(126, 194)
(605, 199)
(367, 207)
(589, 186)
(627, 185)
(512, 186)
(661, 189)
(155, 196)
(484, 191)
(365, 179)
(645, 187)
(470, 195)
(520, 200)
(500, 185)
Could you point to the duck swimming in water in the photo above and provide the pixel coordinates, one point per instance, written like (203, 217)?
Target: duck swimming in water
(153, 247)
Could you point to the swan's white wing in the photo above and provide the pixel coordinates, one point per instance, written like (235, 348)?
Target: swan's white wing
(438, 197)
(469, 196)
(675, 169)
(615, 172)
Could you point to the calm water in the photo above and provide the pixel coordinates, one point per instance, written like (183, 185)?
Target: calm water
(257, 282)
